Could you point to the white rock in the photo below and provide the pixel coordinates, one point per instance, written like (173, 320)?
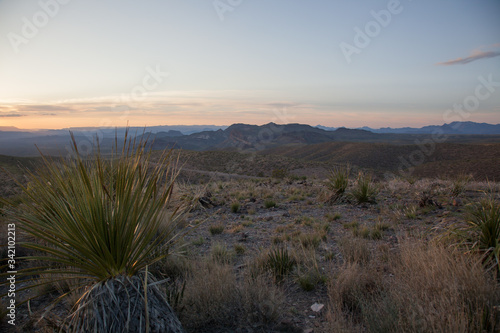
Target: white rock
(316, 307)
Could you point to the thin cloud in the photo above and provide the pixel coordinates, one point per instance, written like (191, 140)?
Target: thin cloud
(53, 108)
(10, 115)
(476, 55)
(281, 105)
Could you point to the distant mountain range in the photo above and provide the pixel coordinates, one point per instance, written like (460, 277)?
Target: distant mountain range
(241, 137)
(253, 137)
(458, 128)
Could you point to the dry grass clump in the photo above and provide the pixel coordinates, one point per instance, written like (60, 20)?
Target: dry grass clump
(262, 301)
(221, 254)
(459, 185)
(311, 240)
(214, 299)
(430, 289)
(354, 250)
(211, 296)
(310, 272)
(174, 267)
(353, 285)
(439, 290)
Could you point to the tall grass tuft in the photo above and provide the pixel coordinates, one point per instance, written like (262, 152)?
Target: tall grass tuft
(459, 185)
(101, 222)
(431, 289)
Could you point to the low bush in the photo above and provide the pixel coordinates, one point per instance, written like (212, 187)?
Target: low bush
(235, 207)
(216, 229)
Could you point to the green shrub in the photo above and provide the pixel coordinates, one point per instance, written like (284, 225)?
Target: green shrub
(306, 282)
(269, 203)
(216, 229)
(351, 225)
(235, 207)
(239, 249)
(279, 173)
(199, 241)
(333, 217)
(375, 233)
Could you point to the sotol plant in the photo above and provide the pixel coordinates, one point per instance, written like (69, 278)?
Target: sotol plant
(339, 180)
(102, 222)
(484, 223)
(280, 262)
(364, 190)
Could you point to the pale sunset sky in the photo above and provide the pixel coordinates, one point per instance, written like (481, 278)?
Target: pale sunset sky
(75, 63)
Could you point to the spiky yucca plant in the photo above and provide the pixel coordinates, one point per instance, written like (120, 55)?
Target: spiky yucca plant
(280, 262)
(484, 223)
(102, 221)
(339, 179)
(364, 189)
(337, 183)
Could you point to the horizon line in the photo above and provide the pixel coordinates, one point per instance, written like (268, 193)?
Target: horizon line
(2, 128)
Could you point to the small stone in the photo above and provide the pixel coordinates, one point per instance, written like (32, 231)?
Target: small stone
(316, 307)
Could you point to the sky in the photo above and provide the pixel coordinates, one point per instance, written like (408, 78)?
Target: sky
(79, 63)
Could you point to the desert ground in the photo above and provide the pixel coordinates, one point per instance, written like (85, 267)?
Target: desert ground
(287, 251)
